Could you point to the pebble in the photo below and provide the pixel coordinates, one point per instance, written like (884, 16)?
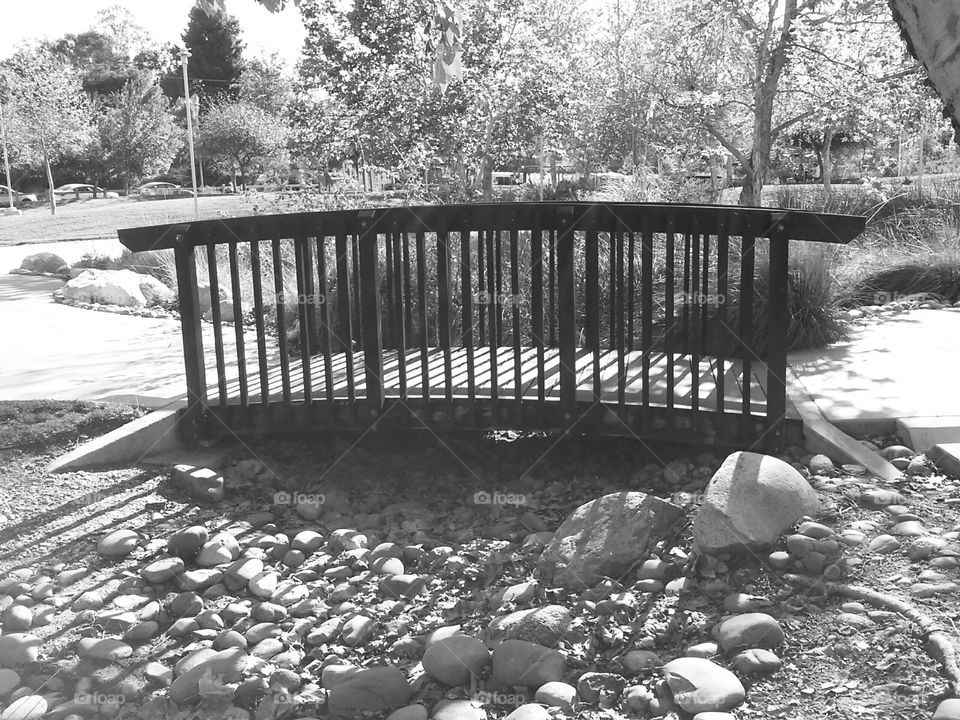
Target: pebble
(456, 659)
(892, 452)
(226, 665)
(799, 545)
(948, 710)
(186, 543)
(104, 648)
(815, 530)
(186, 604)
(919, 467)
(703, 650)
(878, 497)
(593, 687)
(371, 689)
(638, 661)
(543, 625)
(409, 712)
(779, 559)
(219, 549)
(162, 570)
(264, 584)
(458, 710)
(19, 649)
(557, 694)
(699, 685)
(357, 630)
(884, 544)
(518, 662)
(910, 528)
(755, 662)
(750, 630)
(852, 537)
(118, 543)
(529, 711)
(9, 680)
(402, 586)
(17, 618)
(820, 465)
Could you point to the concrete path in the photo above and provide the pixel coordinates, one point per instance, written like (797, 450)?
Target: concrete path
(903, 366)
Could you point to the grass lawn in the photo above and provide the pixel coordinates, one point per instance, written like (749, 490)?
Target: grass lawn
(101, 218)
(26, 423)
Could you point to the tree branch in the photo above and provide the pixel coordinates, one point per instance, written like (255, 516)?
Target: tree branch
(784, 125)
(734, 150)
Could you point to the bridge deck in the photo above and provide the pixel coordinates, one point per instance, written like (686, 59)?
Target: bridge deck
(683, 373)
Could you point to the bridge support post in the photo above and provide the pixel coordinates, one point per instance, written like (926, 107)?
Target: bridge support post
(188, 296)
(567, 316)
(777, 320)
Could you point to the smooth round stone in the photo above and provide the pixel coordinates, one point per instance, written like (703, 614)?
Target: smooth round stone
(262, 631)
(458, 710)
(714, 716)
(779, 559)
(266, 649)
(948, 710)
(200, 579)
(892, 452)
(158, 673)
(104, 649)
(529, 711)
(402, 586)
(142, 631)
(703, 650)
(654, 569)
(9, 681)
(884, 544)
(852, 537)
(799, 545)
(895, 510)
(910, 528)
(228, 639)
(186, 604)
(356, 630)
(387, 566)
(750, 630)
(878, 497)
(919, 467)
(698, 685)
(637, 699)
(209, 620)
(264, 584)
(90, 600)
(28, 707)
(557, 694)
(946, 563)
(186, 543)
(294, 559)
(268, 612)
(814, 562)
(162, 570)
(192, 660)
(924, 547)
(19, 649)
(932, 576)
(904, 517)
(815, 530)
(307, 541)
(820, 465)
(637, 661)
(17, 618)
(456, 659)
(409, 712)
(928, 590)
(118, 543)
(755, 662)
(242, 571)
(221, 548)
(183, 626)
(901, 464)
(649, 585)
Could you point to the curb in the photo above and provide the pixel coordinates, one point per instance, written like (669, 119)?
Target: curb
(822, 436)
(153, 433)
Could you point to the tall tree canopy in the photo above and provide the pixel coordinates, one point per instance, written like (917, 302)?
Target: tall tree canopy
(216, 57)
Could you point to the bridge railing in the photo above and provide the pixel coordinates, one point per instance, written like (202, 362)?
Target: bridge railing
(547, 315)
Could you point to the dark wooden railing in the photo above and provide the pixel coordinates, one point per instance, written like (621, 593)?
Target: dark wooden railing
(633, 319)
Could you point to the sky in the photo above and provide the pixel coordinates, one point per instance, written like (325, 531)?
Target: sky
(165, 20)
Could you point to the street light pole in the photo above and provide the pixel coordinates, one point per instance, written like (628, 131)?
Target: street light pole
(184, 54)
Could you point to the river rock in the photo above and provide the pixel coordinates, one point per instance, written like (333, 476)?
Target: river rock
(402, 586)
(264, 584)
(357, 630)
(28, 707)
(750, 630)
(225, 665)
(202, 483)
(373, 689)
(161, 570)
(221, 548)
(103, 649)
(543, 625)
(948, 709)
(459, 710)
(594, 686)
(17, 618)
(884, 544)
(454, 660)
(118, 543)
(755, 661)
(186, 543)
(699, 685)
(557, 694)
(9, 681)
(519, 662)
(749, 502)
(529, 711)
(18, 649)
(42, 262)
(605, 538)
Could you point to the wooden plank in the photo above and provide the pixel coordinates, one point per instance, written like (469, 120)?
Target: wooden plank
(591, 303)
(443, 284)
(346, 334)
(777, 321)
(302, 265)
(401, 339)
(279, 294)
(566, 311)
(217, 327)
(646, 305)
(258, 319)
(238, 323)
(515, 304)
(326, 343)
(536, 283)
(422, 310)
(192, 335)
(369, 256)
(466, 299)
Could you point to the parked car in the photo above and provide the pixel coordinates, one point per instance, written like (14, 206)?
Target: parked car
(82, 190)
(160, 190)
(19, 199)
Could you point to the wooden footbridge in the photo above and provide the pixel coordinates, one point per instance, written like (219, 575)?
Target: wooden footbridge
(655, 321)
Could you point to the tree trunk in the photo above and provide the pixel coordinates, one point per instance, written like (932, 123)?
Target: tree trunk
(46, 164)
(826, 161)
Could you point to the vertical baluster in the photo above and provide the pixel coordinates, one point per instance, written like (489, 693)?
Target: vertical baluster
(422, 310)
(723, 247)
(631, 289)
(669, 320)
(326, 341)
(217, 327)
(258, 319)
(746, 313)
(685, 302)
(566, 315)
(401, 338)
(357, 283)
(705, 301)
(492, 319)
(552, 292)
(481, 281)
(592, 305)
(612, 273)
(302, 268)
(536, 283)
(619, 326)
(344, 301)
(646, 307)
(238, 324)
(368, 270)
(695, 330)
(515, 304)
(192, 335)
(443, 283)
(278, 292)
(391, 310)
(498, 264)
(466, 295)
(407, 304)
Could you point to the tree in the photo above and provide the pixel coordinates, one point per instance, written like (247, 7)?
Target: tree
(137, 133)
(50, 111)
(242, 137)
(263, 82)
(216, 59)
(127, 38)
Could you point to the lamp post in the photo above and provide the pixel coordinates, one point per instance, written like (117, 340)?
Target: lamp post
(184, 54)
(11, 209)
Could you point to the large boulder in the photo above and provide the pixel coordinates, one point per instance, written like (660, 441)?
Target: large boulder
(699, 685)
(373, 690)
(43, 262)
(543, 625)
(605, 538)
(749, 503)
(116, 287)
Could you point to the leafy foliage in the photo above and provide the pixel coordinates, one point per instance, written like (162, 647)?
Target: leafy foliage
(242, 136)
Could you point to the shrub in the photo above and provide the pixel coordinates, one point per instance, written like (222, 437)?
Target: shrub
(97, 261)
(940, 279)
(157, 263)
